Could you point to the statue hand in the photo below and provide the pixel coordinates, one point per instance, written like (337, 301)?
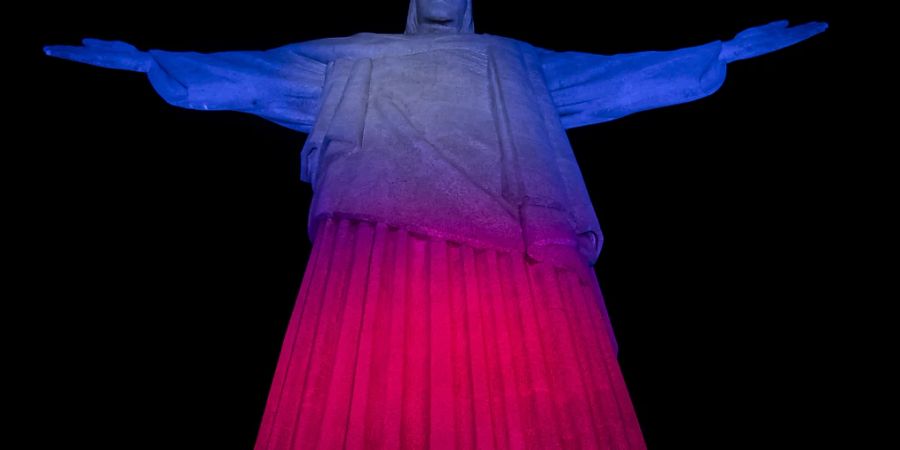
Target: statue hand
(109, 54)
(760, 40)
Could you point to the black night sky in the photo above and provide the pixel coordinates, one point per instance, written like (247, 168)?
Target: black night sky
(169, 244)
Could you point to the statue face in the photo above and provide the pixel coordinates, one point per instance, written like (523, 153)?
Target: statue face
(440, 16)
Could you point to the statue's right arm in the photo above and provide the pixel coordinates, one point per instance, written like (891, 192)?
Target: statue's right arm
(283, 85)
(588, 88)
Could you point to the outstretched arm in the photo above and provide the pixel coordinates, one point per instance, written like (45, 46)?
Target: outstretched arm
(282, 85)
(588, 88)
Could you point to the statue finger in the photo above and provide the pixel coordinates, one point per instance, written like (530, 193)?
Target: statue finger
(70, 52)
(111, 45)
(763, 29)
(108, 58)
(776, 24)
(807, 30)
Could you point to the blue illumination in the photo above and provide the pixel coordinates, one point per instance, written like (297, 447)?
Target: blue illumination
(284, 84)
(589, 88)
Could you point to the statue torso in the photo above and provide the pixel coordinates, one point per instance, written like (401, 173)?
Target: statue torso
(447, 134)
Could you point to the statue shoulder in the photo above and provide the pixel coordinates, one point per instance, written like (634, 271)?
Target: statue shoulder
(507, 41)
(372, 45)
(359, 45)
(510, 46)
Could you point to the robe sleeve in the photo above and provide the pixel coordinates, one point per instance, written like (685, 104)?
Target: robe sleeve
(588, 88)
(282, 85)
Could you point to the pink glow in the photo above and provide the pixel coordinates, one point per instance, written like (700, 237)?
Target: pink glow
(401, 340)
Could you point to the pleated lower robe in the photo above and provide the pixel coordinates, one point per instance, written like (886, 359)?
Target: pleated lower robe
(403, 340)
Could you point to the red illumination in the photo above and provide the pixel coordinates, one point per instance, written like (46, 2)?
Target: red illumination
(400, 340)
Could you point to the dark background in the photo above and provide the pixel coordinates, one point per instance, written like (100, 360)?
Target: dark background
(167, 245)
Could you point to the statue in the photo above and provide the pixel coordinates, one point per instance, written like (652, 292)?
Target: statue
(449, 299)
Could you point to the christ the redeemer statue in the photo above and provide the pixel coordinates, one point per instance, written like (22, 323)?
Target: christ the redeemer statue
(449, 300)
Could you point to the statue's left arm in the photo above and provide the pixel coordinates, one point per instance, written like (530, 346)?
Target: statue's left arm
(283, 84)
(588, 88)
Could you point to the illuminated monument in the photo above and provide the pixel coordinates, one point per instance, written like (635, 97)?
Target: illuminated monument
(449, 300)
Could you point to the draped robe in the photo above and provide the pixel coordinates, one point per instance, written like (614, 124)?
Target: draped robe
(459, 135)
(453, 234)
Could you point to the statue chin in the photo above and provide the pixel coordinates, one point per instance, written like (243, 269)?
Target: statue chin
(439, 17)
(437, 27)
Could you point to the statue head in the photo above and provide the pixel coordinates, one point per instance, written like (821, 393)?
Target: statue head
(439, 16)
